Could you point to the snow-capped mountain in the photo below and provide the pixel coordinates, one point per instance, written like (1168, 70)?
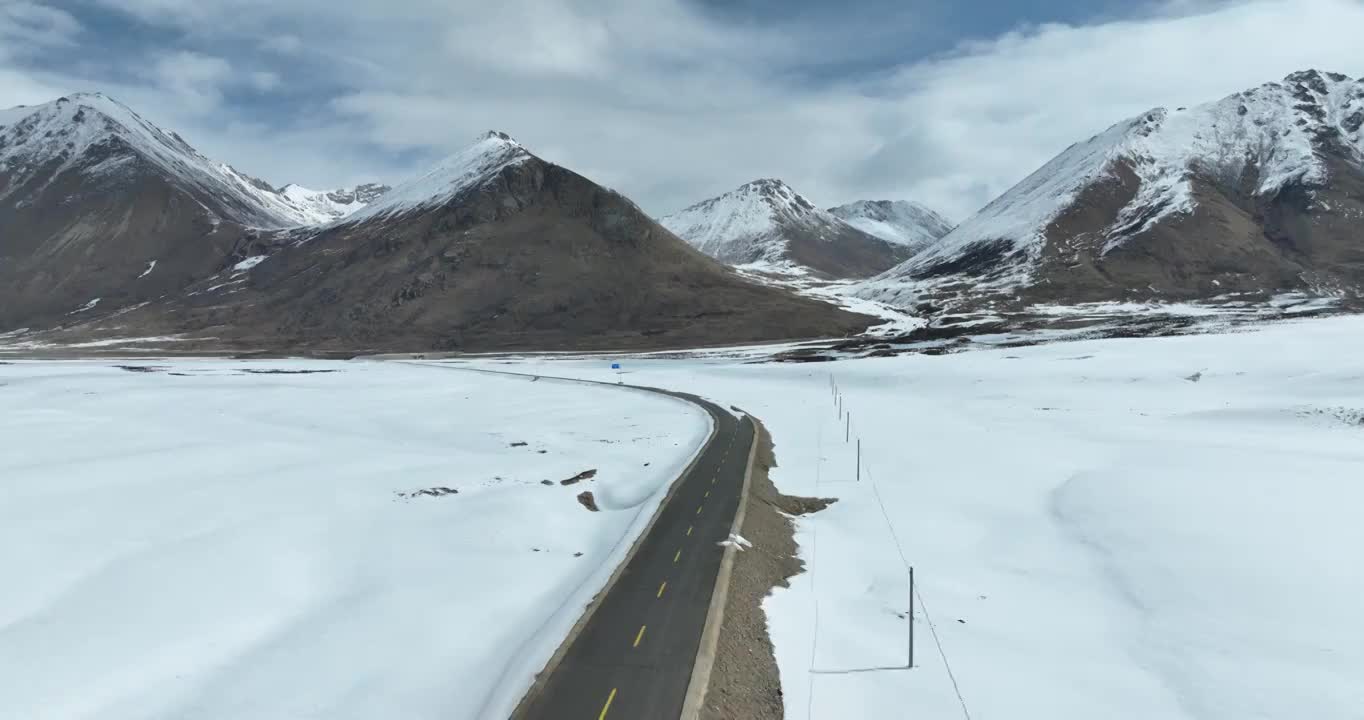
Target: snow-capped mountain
(106, 144)
(100, 209)
(324, 206)
(455, 175)
(899, 221)
(768, 226)
(494, 248)
(1260, 191)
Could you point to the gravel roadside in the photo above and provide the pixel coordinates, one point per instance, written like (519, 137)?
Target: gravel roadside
(744, 684)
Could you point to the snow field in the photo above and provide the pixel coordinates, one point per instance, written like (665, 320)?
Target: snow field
(1095, 532)
(226, 544)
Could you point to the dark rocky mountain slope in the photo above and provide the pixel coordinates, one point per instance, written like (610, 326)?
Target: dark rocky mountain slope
(494, 249)
(1258, 193)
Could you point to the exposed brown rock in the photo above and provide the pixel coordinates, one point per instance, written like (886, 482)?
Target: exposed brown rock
(586, 500)
(584, 475)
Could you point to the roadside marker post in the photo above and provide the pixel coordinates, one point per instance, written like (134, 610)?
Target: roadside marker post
(911, 617)
(620, 380)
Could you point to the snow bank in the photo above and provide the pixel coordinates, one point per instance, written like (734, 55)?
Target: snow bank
(227, 539)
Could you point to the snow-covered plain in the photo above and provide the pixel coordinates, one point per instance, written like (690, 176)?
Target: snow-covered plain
(228, 543)
(1129, 529)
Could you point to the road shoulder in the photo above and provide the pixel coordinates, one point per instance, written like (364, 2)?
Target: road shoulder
(744, 681)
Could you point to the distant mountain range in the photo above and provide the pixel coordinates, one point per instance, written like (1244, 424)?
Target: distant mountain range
(110, 225)
(114, 226)
(1257, 193)
(766, 226)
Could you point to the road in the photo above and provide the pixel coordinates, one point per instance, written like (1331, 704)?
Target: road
(633, 660)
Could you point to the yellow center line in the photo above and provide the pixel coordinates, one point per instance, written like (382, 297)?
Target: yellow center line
(714, 479)
(639, 635)
(698, 509)
(677, 557)
(707, 493)
(660, 588)
(689, 529)
(607, 707)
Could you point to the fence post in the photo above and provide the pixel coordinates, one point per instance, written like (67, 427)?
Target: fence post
(859, 459)
(911, 618)
(847, 429)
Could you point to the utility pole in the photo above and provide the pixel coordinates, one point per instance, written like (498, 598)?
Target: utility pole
(911, 618)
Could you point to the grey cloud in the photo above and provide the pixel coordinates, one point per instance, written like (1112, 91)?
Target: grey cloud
(670, 105)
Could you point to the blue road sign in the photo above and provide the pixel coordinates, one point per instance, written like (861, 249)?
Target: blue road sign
(615, 366)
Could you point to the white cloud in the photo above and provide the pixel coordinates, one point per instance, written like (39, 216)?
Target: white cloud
(669, 105)
(975, 122)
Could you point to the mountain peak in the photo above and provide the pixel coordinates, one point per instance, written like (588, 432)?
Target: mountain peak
(765, 184)
(465, 170)
(1316, 79)
(767, 225)
(110, 145)
(1161, 172)
(899, 221)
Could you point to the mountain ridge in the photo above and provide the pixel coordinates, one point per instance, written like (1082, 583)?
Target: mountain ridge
(494, 248)
(905, 222)
(1249, 193)
(765, 225)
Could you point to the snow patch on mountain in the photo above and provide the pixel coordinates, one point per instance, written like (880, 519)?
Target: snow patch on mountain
(1274, 133)
(324, 206)
(465, 170)
(102, 138)
(898, 221)
(745, 226)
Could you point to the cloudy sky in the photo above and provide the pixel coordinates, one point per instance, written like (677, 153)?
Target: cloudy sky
(669, 101)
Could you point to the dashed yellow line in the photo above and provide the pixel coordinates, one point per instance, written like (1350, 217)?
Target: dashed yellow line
(677, 557)
(639, 635)
(660, 588)
(707, 493)
(689, 529)
(698, 509)
(607, 707)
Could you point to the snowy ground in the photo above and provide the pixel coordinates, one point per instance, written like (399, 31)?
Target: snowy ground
(228, 544)
(1132, 529)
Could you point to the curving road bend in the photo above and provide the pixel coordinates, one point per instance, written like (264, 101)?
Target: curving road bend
(634, 657)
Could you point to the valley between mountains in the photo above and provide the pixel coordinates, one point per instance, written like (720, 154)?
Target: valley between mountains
(493, 441)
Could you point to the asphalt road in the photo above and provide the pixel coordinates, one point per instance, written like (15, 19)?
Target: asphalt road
(633, 659)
